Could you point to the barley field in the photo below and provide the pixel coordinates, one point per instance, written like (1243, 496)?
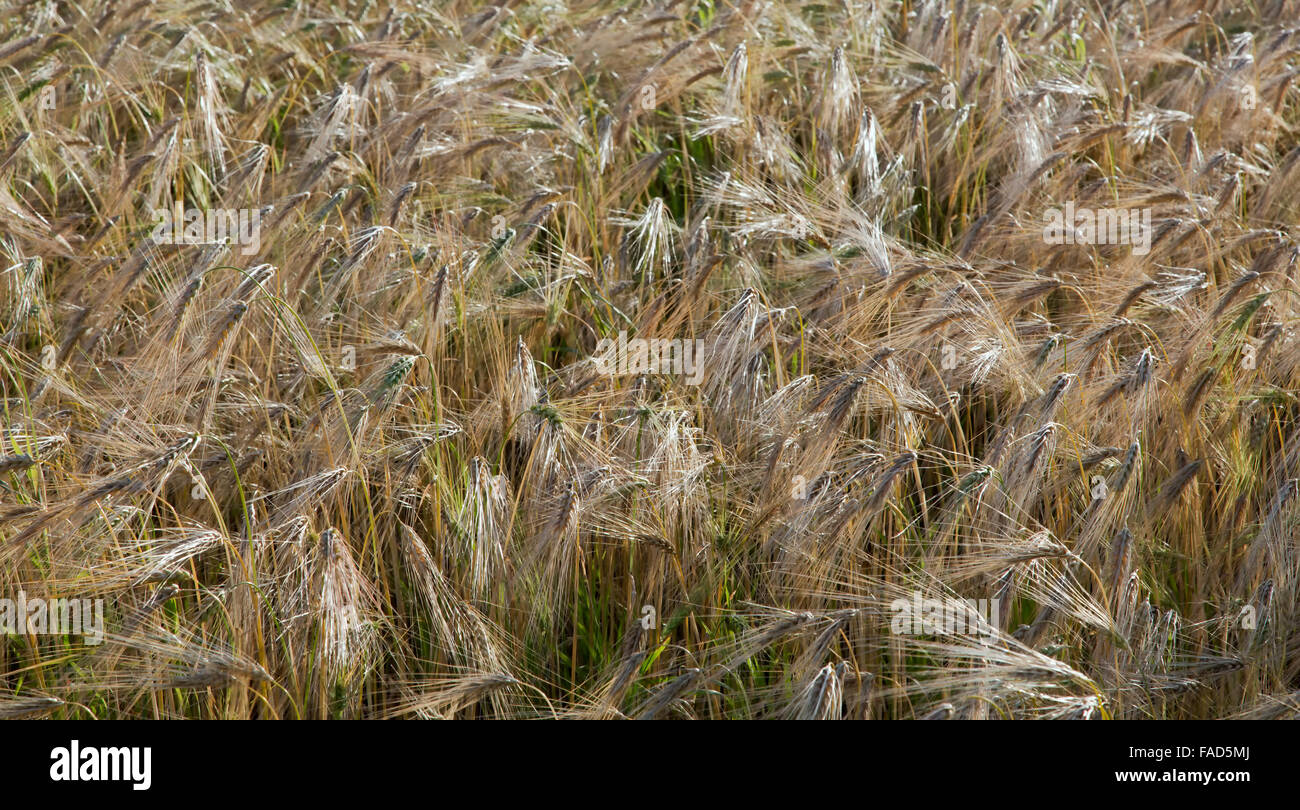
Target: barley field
(711, 359)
